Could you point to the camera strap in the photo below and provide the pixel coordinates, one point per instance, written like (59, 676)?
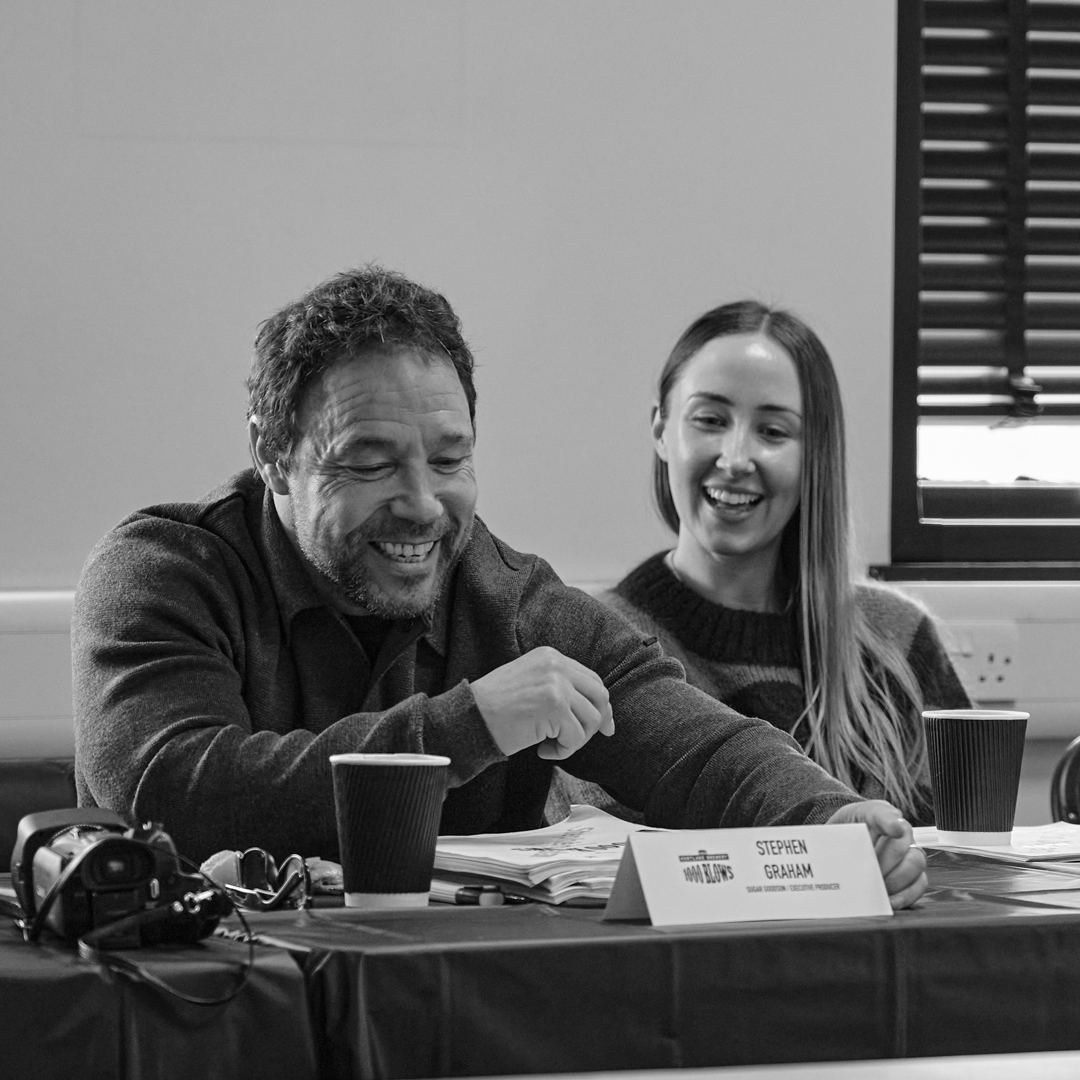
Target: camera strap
(89, 949)
(90, 944)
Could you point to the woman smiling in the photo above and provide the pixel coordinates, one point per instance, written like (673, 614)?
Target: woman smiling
(758, 598)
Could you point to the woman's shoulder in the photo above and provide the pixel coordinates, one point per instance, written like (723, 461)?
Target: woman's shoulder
(886, 604)
(630, 611)
(889, 611)
(634, 598)
(649, 575)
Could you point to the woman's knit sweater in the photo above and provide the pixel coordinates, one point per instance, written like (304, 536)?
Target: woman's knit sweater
(752, 661)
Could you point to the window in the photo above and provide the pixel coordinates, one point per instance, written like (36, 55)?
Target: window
(986, 363)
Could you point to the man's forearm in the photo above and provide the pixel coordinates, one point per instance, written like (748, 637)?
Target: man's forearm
(216, 784)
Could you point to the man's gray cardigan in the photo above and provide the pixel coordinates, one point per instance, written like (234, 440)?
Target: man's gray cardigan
(212, 684)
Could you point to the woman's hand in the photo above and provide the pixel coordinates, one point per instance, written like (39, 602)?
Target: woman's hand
(902, 866)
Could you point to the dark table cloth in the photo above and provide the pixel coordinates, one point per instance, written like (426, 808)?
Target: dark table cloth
(64, 1017)
(988, 963)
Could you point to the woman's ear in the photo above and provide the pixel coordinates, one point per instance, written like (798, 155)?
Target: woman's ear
(659, 423)
(267, 464)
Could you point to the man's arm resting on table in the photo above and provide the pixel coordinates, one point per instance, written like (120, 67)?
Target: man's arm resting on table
(701, 764)
(549, 700)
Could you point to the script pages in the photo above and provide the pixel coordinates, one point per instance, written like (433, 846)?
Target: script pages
(1058, 842)
(573, 862)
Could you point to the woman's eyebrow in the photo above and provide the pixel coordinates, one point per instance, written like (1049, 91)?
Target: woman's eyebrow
(709, 395)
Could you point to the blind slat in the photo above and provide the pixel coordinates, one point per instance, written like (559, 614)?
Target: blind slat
(1047, 239)
(991, 15)
(993, 52)
(963, 313)
(1053, 165)
(978, 409)
(960, 274)
(989, 163)
(978, 238)
(991, 127)
(984, 381)
(981, 163)
(966, 201)
(1053, 90)
(991, 88)
(963, 239)
(970, 89)
(976, 311)
(1050, 203)
(947, 350)
(965, 51)
(965, 14)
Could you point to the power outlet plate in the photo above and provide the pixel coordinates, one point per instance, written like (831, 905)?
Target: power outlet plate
(987, 659)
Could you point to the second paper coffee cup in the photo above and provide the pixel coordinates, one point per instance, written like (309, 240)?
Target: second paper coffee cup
(388, 808)
(975, 757)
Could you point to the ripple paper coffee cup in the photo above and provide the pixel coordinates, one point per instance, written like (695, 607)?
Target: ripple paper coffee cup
(975, 757)
(388, 808)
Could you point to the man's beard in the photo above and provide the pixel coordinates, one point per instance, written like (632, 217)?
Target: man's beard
(347, 570)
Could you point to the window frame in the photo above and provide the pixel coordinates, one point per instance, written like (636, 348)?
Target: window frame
(941, 548)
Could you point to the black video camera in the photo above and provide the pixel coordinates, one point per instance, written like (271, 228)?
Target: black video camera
(80, 871)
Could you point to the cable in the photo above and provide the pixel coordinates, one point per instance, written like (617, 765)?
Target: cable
(191, 905)
(121, 965)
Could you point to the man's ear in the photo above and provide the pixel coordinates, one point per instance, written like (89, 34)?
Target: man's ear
(269, 468)
(658, 425)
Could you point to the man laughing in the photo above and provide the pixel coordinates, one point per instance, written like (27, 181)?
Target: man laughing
(343, 596)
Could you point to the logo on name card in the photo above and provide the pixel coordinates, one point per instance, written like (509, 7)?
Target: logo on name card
(707, 868)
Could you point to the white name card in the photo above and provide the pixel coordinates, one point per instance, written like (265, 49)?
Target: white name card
(693, 876)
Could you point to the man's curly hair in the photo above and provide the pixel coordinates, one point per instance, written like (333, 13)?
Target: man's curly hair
(365, 310)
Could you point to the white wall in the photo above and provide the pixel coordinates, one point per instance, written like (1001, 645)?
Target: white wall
(580, 177)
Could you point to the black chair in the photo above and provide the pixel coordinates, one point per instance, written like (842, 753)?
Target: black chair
(1065, 786)
(28, 786)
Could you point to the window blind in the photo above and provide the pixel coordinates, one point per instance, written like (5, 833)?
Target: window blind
(999, 215)
(987, 268)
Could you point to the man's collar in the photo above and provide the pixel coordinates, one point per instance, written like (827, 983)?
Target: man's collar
(483, 563)
(438, 632)
(289, 578)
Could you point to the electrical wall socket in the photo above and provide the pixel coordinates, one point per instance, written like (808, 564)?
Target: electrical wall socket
(987, 659)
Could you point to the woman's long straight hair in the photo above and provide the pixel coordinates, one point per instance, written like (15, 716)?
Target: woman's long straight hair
(862, 700)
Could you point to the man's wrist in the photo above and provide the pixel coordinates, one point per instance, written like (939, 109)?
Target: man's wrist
(455, 728)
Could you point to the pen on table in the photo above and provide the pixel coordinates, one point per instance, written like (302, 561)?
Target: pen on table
(450, 892)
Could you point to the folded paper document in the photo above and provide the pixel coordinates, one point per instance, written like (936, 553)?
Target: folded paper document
(1057, 842)
(572, 862)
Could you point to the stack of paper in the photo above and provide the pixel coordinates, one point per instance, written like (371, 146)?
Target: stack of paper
(574, 861)
(1058, 842)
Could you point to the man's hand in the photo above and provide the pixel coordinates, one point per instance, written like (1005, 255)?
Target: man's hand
(543, 698)
(902, 866)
